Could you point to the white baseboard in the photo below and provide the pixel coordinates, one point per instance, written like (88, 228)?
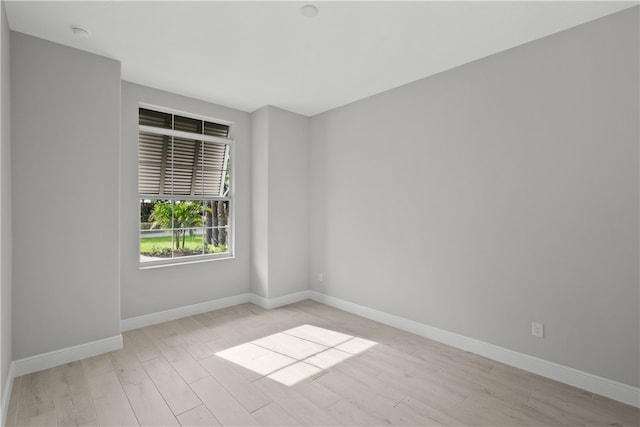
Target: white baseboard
(6, 393)
(203, 307)
(42, 361)
(180, 312)
(584, 380)
(269, 303)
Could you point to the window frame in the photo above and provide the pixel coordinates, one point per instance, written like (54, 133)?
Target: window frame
(230, 142)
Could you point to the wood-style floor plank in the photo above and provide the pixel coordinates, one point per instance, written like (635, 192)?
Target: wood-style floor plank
(198, 416)
(148, 405)
(110, 400)
(444, 414)
(299, 404)
(221, 403)
(12, 412)
(236, 384)
(72, 398)
(274, 414)
(138, 342)
(188, 368)
(172, 387)
(47, 418)
(97, 365)
(318, 394)
(127, 367)
(36, 398)
(351, 414)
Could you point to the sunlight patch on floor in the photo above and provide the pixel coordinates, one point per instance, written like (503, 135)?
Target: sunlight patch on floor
(296, 354)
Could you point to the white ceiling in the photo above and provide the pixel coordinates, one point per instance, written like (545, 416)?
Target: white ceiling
(249, 54)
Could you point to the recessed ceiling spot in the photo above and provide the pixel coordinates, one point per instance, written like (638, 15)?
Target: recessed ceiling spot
(79, 31)
(309, 10)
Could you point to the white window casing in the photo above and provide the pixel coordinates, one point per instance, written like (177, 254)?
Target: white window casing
(185, 158)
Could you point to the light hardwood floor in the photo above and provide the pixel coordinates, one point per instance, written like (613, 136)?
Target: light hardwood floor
(168, 374)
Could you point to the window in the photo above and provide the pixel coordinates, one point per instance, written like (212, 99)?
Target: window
(185, 187)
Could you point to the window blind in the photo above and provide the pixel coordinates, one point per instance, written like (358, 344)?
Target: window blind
(169, 165)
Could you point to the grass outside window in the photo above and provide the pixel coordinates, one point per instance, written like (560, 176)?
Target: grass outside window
(162, 246)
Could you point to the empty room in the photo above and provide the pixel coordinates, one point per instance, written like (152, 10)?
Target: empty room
(320, 213)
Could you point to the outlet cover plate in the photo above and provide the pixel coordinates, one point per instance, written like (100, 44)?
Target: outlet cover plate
(537, 329)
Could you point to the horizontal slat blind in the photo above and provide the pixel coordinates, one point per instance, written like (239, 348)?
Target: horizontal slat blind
(152, 148)
(155, 118)
(216, 129)
(173, 166)
(187, 124)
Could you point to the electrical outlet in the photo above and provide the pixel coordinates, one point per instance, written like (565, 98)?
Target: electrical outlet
(320, 277)
(537, 329)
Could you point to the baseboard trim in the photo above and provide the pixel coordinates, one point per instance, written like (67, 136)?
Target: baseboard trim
(269, 303)
(6, 393)
(180, 312)
(584, 380)
(42, 361)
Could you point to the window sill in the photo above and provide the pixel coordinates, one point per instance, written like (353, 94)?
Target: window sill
(181, 261)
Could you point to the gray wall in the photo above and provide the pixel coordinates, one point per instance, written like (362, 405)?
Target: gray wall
(280, 226)
(155, 289)
(288, 202)
(260, 202)
(5, 202)
(65, 138)
(494, 194)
